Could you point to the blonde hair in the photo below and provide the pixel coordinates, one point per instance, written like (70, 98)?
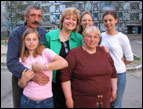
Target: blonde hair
(69, 12)
(24, 50)
(91, 29)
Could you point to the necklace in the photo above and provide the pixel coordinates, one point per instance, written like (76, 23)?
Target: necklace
(64, 38)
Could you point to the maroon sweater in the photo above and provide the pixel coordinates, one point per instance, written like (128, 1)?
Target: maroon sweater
(90, 76)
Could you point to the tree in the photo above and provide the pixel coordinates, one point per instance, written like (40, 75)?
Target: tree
(15, 13)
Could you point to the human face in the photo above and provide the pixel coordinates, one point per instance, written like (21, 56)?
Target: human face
(31, 41)
(91, 40)
(110, 22)
(70, 22)
(34, 18)
(86, 21)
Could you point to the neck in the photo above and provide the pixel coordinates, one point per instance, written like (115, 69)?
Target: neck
(28, 26)
(65, 35)
(112, 32)
(89, 50)
(31, 53)
(66, 32)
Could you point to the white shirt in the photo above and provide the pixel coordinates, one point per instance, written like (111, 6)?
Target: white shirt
(118, 46)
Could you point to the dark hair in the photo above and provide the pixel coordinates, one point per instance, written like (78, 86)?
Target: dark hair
(111, 12)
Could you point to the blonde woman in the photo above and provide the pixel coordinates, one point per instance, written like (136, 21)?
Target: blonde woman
(90, 80)
(61, 41)
(35, 95)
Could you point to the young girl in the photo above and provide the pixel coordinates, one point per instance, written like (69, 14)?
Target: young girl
(86, 20)
(119, 46)
(35, 95)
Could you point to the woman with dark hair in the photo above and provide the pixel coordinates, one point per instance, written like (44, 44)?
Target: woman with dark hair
(119, 46)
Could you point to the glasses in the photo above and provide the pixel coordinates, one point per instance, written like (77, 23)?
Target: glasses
(66, 49)
(84, 20)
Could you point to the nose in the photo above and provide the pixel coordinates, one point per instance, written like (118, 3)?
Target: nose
(36, 18)
(107, 22)
(31, 41)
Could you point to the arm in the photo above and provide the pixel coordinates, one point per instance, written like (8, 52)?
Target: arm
(105, 48)
(13, 54)
(113, 79)
(114, 89)
(125, 44)
(66, 86)
(26, 76)
(126, 62)
(57, 63)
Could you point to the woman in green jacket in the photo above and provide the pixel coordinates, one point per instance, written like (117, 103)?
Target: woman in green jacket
(61, 41)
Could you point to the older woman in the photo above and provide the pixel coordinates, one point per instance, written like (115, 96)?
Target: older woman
(90, 81)
(62, 41)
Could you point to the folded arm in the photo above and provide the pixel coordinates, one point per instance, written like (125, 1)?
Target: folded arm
(57, 63)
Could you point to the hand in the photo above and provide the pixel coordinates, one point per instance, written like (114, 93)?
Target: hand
(40, 78)
(105, 48)
(69, 103)
(27, 75)
(113, 96)
(37, 67)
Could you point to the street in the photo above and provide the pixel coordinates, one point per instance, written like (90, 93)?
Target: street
(132, 96)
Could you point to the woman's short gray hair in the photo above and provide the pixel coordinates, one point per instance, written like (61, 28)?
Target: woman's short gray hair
(90, 29)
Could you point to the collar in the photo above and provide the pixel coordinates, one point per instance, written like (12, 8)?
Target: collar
(57, 35)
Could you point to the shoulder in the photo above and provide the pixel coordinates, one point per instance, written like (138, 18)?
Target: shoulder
(101, 49)
(103, 33)
(123, 37)
(17, 32)
(48, 51)
(41, 29)
(53, 32)
(75, 51)
(77, 36)
(19, 29)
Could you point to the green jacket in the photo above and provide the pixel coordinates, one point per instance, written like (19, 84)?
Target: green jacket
(53, 42)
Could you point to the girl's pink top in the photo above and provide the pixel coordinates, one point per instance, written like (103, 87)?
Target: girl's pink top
(34, 90)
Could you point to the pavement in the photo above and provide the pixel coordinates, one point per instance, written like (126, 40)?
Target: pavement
(133, 91)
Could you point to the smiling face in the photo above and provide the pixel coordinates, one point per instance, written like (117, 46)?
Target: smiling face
(70, 22)
(110, 22)
(91, 40)
(86, 21)
(31, 41)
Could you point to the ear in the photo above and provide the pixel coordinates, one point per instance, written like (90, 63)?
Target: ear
(116, 20)
(25, 17)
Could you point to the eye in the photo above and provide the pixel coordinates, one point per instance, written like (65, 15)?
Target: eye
(105, 20)
(28, 39)
(39, 16)
(74, 19)
(35, 39)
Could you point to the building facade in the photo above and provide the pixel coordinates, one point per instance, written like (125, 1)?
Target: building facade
(128, 12)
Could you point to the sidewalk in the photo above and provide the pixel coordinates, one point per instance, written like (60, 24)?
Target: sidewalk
(132, 96)
(133, 91)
